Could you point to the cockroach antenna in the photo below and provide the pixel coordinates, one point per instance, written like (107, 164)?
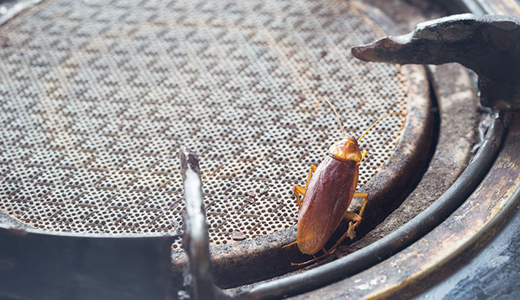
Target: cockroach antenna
(374, 124)
(335, 112)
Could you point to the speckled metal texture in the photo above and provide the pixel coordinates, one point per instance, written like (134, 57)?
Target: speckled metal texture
(97, 97)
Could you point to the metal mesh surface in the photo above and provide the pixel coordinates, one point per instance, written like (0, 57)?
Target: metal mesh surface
(97, 97)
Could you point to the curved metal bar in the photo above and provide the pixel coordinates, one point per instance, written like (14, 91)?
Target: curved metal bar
(486, 44)
(199, 278)
(401, 238)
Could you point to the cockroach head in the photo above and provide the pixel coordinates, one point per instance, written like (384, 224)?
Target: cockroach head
(346, 150)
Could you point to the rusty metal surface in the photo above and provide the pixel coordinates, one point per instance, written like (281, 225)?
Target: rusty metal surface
(391, 244)
(487, 45)
(487, 270)
(351, 264)
(482, 213)
(406, 273)
(457, 104)
(95, 105)
(490, 143)
(93, 117)
(458, 108)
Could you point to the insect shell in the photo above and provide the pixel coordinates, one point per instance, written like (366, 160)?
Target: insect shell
(328, 192)
(328, 196)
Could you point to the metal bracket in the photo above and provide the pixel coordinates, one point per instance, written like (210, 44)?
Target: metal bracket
(489, 45)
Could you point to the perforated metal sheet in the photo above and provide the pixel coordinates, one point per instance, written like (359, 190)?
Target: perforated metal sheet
(97, 97)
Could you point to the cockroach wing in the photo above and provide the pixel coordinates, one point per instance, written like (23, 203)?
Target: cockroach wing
(325, 203)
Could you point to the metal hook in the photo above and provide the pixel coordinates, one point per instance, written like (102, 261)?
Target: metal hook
(489, 45)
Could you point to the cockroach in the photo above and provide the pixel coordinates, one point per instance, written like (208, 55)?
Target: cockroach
(327, 195)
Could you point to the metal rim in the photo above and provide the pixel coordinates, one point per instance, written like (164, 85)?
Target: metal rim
(392, 179)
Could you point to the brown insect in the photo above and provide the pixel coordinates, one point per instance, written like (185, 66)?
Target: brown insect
(327, 195)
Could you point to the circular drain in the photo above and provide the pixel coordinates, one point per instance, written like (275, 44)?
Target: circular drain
(96, 100)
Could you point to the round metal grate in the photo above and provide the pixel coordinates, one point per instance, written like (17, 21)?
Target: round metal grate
(97, 97)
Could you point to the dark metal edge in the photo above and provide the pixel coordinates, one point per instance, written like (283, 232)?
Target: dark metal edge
(34, 265)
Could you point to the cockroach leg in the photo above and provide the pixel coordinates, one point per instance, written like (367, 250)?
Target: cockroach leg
(309, 261)
(325, 254)
(362, 196)
(299, 191)
(351, 232)
(289, 245)
(312, 169)
(355, 220)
